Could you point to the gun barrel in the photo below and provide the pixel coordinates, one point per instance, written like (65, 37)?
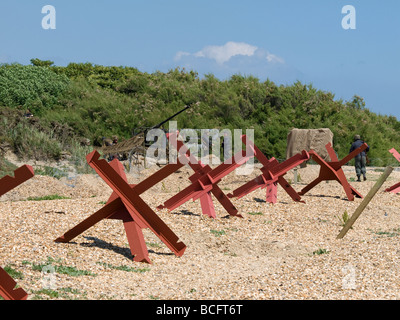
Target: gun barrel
(173, 116)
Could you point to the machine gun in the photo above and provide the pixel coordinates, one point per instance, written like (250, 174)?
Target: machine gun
(135, 147)
(144, 130)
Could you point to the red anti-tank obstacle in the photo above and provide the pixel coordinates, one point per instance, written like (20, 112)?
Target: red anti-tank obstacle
(332, 170)
(272, 174)
(7, 284)
(396, 187)
(126, 205)
(204, 182)
(20, 175)
(7, 287)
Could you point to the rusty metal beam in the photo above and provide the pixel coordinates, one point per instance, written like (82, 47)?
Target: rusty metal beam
(7, 183)
(272, 175)
(395, 188)
(7, 288)
(332, 170)
(22, 174)
(126, 205)
(205, 182)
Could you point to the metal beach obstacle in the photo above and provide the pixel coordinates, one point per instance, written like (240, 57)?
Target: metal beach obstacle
(204, 182)
(7, 183)
(21, 174)
(125, 204)
(7, 287)
(332, 170)
(395, 188)
(272, 175)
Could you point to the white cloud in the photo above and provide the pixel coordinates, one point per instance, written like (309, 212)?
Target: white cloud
(238, 58)
(180, 54)
(222, 54)
(274, 58)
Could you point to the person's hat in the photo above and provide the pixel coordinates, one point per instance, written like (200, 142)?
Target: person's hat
(357, 137)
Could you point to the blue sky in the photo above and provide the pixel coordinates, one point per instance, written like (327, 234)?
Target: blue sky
(283, 40)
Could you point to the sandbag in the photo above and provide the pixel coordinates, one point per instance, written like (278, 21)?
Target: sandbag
(309, 139)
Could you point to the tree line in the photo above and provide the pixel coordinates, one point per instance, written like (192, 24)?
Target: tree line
(92, 101)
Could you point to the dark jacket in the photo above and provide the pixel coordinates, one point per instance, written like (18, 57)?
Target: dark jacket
(356, 144)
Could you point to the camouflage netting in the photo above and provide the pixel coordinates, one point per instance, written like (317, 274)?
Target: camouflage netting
(124, 146)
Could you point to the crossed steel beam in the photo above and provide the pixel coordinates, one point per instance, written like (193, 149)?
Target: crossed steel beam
(125, 204)
(272, 174)
(7, 284)
(332, 170)
(22, 174)
(395, 188)
(204, 182)
(7, 287)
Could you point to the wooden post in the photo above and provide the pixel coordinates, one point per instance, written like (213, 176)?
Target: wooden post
(295, 178)
(365, 202)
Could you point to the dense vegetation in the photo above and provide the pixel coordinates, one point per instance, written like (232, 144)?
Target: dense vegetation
(86, 101)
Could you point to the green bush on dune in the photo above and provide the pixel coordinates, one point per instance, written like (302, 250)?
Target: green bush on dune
(83, 100)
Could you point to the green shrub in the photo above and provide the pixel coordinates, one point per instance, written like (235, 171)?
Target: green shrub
(30, 87)
(32, 143)
(93, 101)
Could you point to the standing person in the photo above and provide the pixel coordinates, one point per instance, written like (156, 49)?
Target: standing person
(360, 159)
